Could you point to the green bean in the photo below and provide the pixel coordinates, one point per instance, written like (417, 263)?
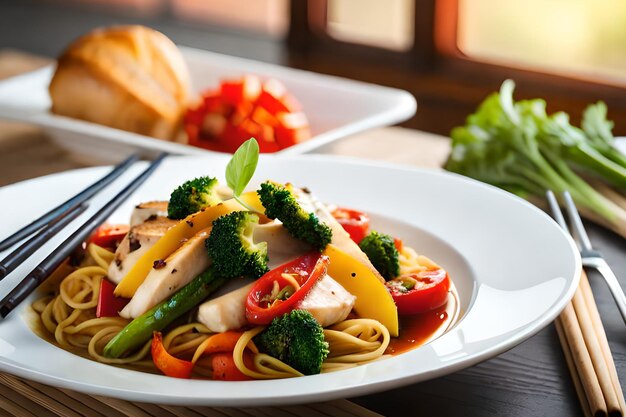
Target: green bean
(140, 330)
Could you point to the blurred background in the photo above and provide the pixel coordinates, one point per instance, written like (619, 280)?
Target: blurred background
(448, 53)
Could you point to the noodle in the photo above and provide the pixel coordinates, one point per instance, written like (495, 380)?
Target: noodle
(70, 314)
(183, 340)
(411, 262)
(355, 342)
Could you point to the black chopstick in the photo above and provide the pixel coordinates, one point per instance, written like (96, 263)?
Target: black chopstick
(69, 204)
(48, 265)
(15, 258)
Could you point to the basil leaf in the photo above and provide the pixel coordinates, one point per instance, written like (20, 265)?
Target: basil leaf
(242, 165)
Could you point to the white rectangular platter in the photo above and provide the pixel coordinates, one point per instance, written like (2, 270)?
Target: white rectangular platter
(336, 107)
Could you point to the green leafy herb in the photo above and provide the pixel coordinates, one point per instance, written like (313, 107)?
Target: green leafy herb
(241, 167)
(517, 146)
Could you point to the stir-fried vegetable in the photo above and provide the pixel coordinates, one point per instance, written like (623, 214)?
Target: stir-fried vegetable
(232, 249)
(109, 235)
(281, 203)
(297, 339)
(355, 222)
(225, 369)
(166, 363)
(517, 146)
(108, 304)
(382, 252)
(192, 196)
(420, 292)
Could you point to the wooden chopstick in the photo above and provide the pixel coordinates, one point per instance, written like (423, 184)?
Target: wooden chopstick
(15, 258)
(594, 314)
(69, 204)
(48, 265)
(588, 355)
(571, 364)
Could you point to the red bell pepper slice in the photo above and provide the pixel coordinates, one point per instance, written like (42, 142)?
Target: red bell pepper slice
(222, 342)
(262, 308)
(355, 222)
(109, 235)
(166, 363)
(420, 292)
(108, 304)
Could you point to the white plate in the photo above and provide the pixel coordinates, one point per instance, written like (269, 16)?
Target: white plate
(336, 107)
(514, 270)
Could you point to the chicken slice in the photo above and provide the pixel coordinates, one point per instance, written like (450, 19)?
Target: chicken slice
(170, 274)
(227, 312)
(148, 210)
(328, 302)
(139, 239)
(281, 246)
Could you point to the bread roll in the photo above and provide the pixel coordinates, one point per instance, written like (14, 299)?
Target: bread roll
(128, 77)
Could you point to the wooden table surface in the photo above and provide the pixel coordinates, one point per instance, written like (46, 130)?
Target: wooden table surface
(529, 380)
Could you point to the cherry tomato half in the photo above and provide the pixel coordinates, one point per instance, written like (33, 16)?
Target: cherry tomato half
(355, 222)
(109, 235)
(420, 292)
(262, 306)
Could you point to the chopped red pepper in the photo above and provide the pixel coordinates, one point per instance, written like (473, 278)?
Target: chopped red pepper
(262, 307)
(166, 363)
(245, 108)
(108, 304)
(242, 91)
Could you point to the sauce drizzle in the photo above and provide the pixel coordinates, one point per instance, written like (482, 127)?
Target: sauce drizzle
(419, 329)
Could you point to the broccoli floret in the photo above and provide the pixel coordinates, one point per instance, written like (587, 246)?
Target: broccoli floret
(193, 196)
(280, 203)
(297, 339)
(382, 252)
(232, 249)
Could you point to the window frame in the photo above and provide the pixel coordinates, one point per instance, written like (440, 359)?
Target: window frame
(452, 60)
(307, 31)
(435, 49)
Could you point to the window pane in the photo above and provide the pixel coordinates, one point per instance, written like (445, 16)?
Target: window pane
(579, 37)
(387, 24)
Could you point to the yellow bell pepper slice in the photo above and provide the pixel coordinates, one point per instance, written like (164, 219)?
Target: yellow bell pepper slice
(175, 237)
(372, 298)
